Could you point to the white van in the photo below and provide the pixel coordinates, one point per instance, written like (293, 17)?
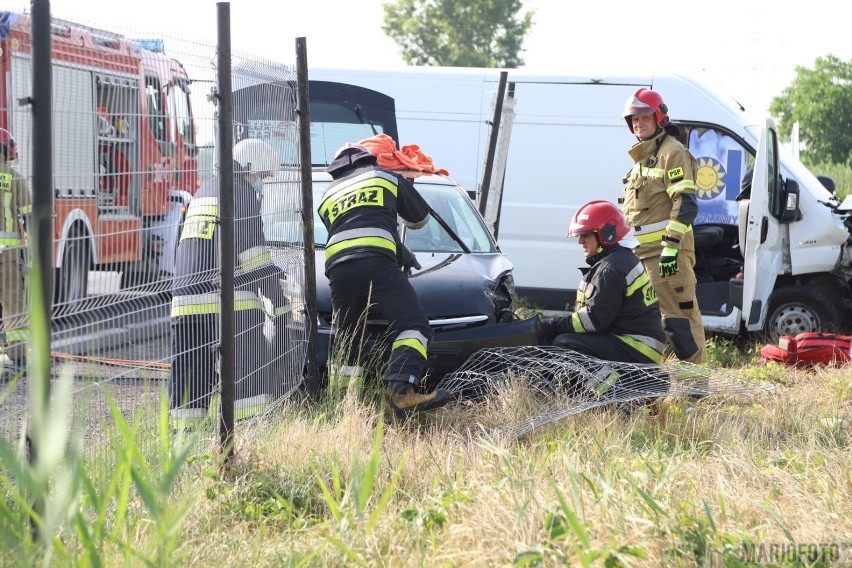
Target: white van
(569, 145)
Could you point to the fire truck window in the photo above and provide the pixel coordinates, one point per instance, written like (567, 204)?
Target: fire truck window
(179, 109)
(156, 112)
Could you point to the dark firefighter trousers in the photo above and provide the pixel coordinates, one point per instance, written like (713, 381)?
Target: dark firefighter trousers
(380, 281)
(607, 382)
(194, 372)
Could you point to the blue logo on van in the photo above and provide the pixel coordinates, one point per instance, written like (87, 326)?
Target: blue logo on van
(710, 178)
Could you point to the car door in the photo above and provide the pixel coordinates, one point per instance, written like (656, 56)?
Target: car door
(763, 236)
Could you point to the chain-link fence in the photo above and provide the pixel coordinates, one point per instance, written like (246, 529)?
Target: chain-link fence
(153, 237)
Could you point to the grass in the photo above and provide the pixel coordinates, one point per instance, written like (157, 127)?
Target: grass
(339, 483)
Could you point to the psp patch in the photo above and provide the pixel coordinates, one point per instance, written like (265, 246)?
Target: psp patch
(675, 174)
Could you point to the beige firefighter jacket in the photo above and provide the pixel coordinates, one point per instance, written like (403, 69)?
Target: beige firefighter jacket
(659, 196)
(15, 204)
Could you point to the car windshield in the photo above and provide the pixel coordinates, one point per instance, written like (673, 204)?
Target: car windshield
(449, 202)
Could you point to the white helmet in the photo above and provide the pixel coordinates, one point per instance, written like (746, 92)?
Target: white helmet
(256, 157)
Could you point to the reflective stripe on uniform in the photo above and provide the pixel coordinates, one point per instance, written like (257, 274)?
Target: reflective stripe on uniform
(650, 173)
(647, 346)
(581, 322)
(365, 189)
(19, 335)
(281, 310)
(9, 221)
(366, 237)
(188, 412)
(202, 216)
(636, 279)
(254, 258)
(11, 238)
(203, 206)
(413, 339)
(251, 406)
(654, 232)
(680, 186)
(677, 227)
(210, 302)
(182, 418)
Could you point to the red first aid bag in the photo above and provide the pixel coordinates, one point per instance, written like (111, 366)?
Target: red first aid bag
(809, 349)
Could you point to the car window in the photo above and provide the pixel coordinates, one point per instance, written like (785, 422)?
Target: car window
(452, 204)
(456, 209)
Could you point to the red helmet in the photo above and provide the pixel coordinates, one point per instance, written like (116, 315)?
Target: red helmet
(645, 101)
(601, 218)
(7, 145)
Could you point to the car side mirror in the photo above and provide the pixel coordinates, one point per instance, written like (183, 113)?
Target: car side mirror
(791, 210)
(827, 183)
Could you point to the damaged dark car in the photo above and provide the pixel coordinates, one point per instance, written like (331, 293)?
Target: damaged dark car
(464, 282)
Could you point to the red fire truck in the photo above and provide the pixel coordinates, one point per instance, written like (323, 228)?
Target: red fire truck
(124, 149)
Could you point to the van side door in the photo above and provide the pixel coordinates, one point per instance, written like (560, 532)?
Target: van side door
(763, 236)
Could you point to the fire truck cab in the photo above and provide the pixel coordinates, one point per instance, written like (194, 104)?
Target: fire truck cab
(124, 154)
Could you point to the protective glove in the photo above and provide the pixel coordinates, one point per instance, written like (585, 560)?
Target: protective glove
(548, 329)
(407, 259)
(268, 316)
(668, 262)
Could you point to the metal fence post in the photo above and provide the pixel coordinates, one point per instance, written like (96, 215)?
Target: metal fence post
(227, 349)
(304, 124)
(41, 235)
(492, 142)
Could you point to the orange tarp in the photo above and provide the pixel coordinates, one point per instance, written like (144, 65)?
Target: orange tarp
(409, 158)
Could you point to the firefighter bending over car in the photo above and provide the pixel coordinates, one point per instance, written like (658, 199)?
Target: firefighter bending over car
(616, 314)
(660, 205)
(258, 299)
(363, 259)
(15, 209)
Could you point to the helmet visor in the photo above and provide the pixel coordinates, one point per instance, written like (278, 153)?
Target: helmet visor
(639, 111)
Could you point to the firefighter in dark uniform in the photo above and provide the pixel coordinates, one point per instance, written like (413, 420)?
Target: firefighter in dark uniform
(196, 296)
(15, 209)
(660, 205)
(616, 314)
(363, 256)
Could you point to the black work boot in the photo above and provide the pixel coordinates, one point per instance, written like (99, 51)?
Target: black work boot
(404, 400)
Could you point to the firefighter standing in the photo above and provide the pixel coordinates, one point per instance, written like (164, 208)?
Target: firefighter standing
(660, 205)
(15, 208)
(616, 315)
(258, 297)
(362, 261)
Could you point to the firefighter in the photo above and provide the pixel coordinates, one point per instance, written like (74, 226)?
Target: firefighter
(660, 205)
(616, 314)
(363, 257)
(258, 298)
(15, 209)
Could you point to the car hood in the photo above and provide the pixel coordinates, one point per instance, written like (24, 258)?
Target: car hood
(448, 285)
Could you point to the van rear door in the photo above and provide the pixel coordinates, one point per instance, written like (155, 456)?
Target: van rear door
(763, 238)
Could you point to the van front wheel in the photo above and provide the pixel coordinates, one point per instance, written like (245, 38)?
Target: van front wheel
(795, 310)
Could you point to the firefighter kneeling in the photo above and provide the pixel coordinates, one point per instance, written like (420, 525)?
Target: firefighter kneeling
(196, 300)
(616, 314)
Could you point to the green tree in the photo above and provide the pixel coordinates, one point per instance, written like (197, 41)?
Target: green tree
(458, 33)
(821, 100)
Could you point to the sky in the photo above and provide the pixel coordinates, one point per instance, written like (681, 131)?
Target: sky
(750, 47)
